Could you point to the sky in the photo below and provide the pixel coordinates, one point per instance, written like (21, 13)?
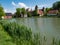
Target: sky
(11, 5)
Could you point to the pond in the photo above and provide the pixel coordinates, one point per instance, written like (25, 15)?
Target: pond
(48, 27)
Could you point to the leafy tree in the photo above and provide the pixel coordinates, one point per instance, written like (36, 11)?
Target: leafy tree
(56, 5)
(1, 11)
(18, 12)
(35, 11)
(46, 11)
(23, 11)
(29, 14)
(36, 7)
(43, 9)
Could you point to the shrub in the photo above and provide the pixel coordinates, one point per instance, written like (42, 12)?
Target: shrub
(17, 32)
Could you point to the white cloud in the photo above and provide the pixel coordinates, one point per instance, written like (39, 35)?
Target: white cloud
(9, 11)
(20, 4)
(5, 10)
(13, 3)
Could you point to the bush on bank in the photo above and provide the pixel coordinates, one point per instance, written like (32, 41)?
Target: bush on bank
(20, 34)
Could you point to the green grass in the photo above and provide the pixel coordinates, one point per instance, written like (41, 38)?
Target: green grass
(5, 39)
(14, 34)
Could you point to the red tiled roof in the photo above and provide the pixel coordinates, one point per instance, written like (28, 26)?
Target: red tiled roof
(40, 11)
(52, 11)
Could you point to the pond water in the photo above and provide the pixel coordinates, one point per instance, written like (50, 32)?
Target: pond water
(48, 27)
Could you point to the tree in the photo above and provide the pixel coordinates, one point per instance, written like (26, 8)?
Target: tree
(18, 12)
(29, 14)
(43, 9)
(35, 11)
(46, 11)
(36, 7)
(56, 5)
(1, 11)
(23, 11)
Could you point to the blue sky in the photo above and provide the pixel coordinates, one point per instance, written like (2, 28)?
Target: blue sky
(11, 5)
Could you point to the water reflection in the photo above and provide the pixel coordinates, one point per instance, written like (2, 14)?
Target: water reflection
(42, 25)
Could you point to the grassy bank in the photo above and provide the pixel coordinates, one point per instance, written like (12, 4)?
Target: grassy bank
(12, 33)
(15, 34)
(5, 39)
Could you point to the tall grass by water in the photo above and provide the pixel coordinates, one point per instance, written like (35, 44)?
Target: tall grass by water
(12, 33)
(19, 34)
